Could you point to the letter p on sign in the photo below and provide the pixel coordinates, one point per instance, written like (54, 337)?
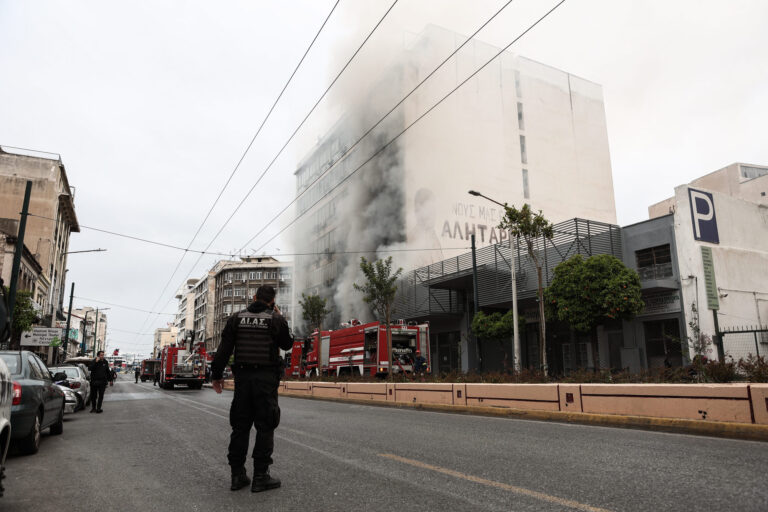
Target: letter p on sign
(703, 216)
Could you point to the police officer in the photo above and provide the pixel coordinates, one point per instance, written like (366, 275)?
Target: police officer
(255, 335)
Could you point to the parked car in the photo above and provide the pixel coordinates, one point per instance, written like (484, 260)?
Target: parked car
(6, 397)
(77, 380)
(37, 402)
(72, 401)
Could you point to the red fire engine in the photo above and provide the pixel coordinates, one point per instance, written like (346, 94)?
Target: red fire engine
(180, 365)
(148, 369)
(360, 349)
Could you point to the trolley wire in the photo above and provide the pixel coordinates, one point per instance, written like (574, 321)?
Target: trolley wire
(391, 141)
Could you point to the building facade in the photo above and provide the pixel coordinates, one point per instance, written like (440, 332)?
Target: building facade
(51, 222)
(743, 181)
(185, 314)
(164, 337)
(204, 298)
(94, 337)
(235, 284)
(520, 132)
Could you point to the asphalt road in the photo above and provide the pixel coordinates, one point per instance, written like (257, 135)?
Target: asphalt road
(166, 450)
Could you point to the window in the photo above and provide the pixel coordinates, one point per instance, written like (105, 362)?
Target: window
(520, 123)
(37, 369)
(252, 275)
(518, 89)
(526, 192)
(653, 256)
(227, 309)
(523, 151)
(237, 276)
(239, 292)
(227, 292)
(751, 173)
(257, 275)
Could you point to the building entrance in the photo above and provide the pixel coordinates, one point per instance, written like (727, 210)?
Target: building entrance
(446, 357)
(662, 343)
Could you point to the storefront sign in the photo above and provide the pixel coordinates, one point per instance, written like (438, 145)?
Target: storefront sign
(661, 303)
(703, 216)
(713, 300)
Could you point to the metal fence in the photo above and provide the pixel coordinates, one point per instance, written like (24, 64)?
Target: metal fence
(741, 342)
(438, 288)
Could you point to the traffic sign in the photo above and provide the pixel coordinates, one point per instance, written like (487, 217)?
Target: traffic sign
(42, 337)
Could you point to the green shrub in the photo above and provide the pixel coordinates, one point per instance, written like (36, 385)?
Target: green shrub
(717, 371)
(755, 368)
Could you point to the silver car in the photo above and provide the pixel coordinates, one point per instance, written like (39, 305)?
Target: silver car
(6, 397)
(78, 380)
(72, 401)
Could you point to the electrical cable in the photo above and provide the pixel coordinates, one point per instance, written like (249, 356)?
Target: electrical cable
(261, 176)
(122, 306)
(269, 113)
(392, 140)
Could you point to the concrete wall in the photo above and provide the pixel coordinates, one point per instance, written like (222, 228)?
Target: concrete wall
(731, 403)
(740, 261)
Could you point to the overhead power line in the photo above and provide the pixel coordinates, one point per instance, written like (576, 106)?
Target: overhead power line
(393, 139)
(122, 306)
(258, 180)
(240, 161)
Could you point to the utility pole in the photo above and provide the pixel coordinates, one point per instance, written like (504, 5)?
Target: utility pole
(69, 318)
(17, 254)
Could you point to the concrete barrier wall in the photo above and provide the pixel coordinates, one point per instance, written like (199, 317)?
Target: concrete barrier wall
(734, 403)
(712, 402)
(536, 397)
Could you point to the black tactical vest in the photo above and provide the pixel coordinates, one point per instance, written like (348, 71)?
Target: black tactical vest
(254, 344)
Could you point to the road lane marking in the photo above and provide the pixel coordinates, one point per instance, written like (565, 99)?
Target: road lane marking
(499, 485)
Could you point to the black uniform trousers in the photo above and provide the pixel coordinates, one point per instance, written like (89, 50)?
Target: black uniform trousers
(97, 393)
(254, 404)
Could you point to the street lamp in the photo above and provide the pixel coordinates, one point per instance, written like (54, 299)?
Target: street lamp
(516, 327)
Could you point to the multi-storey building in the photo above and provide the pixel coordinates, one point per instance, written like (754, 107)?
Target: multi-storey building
(94, 338)
(235, 284)
(51, 221)
(185, 315)
(520, 132)
(743, 181)
(164, 336)
(204, 293)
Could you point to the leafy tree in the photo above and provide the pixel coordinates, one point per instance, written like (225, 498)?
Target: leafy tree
(587, 292)
(24, 315)
(314, 310)
(526, 225)
(379, 292)
(494, 327)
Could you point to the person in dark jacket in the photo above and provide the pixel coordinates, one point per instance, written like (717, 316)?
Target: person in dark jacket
(136, 373)
(100, 377)
(255, 336)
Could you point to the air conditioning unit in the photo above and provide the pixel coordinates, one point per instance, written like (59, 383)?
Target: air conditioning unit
(228, 281)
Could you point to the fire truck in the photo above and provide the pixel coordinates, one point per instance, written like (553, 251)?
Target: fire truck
(359, 349)
(148, 369)
(181, 365)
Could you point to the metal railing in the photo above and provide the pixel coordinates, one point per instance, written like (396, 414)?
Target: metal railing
(658, 271)
(739, 343)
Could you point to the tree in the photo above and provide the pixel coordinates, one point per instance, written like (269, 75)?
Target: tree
(24, 315)
(529, 226)
(314, 310)
(494, 327)
(587, 292)
(379, 292)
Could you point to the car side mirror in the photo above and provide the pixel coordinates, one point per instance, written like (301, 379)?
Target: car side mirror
(59, 376)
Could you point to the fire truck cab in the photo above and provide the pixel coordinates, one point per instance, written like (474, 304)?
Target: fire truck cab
(180, 365)
(360, 349)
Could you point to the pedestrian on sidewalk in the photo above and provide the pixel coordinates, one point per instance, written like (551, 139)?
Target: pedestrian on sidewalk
(255, 336)
(100, 377)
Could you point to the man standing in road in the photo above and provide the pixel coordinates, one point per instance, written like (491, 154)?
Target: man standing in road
(100, 376)
(136, 372)
(255, 336)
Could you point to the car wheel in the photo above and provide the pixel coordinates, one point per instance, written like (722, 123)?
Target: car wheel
(58, 427)
(31, 443)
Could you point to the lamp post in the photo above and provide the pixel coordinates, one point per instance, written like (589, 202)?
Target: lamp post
(516, 327)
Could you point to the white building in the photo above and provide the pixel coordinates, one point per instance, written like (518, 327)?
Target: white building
(519, 132)
(185, 313)
(744, 181)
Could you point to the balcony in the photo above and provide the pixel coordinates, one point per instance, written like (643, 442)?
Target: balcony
(658, 277)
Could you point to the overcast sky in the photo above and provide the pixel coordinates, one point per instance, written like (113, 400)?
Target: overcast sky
(151, 105)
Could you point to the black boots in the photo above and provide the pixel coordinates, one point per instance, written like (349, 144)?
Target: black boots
(264, 482)
(239, 480)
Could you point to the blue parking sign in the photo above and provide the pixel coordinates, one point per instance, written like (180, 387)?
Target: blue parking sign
(703, 216)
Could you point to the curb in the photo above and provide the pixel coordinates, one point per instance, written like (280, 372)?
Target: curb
(744, 431)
